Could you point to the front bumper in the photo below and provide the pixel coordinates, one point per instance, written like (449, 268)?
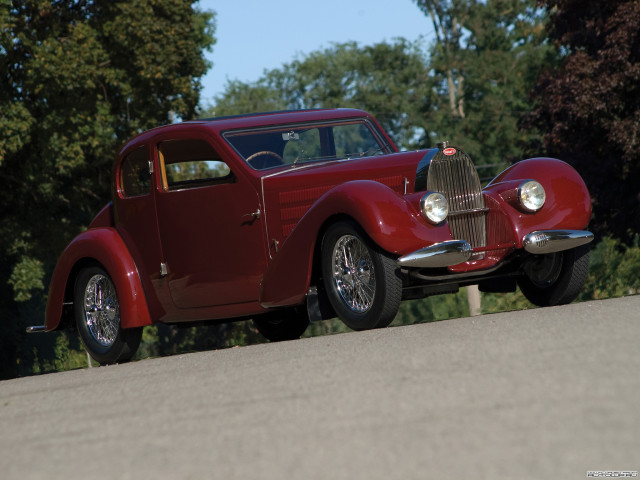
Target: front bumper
(453, 252)
(442, 254)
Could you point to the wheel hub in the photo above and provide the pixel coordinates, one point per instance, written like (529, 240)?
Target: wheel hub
(353, 273)
(102, 311)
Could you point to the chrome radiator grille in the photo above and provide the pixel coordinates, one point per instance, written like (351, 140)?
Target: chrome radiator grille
(456, 178)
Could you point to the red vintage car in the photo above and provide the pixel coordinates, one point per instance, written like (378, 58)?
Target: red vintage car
(288, 217)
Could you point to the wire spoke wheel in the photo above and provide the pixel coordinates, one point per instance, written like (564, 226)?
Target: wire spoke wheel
(102, 311)
(98, 318)
(353, 273)
(362, 282)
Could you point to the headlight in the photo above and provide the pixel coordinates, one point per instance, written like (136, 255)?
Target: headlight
(434, 207)
(531, 195)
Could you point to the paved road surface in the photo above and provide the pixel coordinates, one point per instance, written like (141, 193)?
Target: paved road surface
(539, 394)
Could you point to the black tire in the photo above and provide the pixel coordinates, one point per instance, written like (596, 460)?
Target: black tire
(97, 314)
(281, 325)
(556, 278)
(367, 293)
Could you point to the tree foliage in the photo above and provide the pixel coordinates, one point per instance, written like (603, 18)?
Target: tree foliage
(484, 59)
(77, 78)
(471, 87)
(389, 80)
(589, 107)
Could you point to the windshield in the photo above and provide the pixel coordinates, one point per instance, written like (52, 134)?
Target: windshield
(297, 144)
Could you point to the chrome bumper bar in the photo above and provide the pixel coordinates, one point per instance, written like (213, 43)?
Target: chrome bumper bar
(442, 254)
(551, 241)
(453, 252)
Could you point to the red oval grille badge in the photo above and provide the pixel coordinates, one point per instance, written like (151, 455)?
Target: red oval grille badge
(449, 151)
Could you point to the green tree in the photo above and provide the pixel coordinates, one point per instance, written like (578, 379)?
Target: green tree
(390, 80)
(77, 78)
(485, 58)
(240, 97)
(589, 107)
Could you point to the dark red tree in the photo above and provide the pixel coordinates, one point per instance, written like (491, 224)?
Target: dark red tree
(589, 107)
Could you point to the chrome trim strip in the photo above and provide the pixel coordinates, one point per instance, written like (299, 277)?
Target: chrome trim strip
(551, 241)
(466, 212)
(444, 254)
(36, 329)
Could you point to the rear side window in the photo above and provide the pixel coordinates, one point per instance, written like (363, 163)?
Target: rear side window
(190, 163)
(135, 178)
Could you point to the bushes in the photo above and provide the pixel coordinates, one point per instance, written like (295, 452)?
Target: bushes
(614, 270)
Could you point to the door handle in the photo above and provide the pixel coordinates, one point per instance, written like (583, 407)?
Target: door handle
(255, 214)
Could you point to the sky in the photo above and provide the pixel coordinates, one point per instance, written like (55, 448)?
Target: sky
(258, 35)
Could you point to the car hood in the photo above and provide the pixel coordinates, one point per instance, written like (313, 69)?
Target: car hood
(288, 194)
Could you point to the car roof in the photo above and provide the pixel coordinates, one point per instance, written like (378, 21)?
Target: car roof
(219, 125)
(264, 119)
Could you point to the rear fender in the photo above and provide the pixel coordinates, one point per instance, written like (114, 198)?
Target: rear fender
(106, 247)
(390, 221)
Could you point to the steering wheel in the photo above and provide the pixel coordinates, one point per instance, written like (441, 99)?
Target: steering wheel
(268, 153)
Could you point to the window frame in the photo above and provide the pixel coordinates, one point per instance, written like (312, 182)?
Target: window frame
(187, 184)
(326, 135)
(122, 190)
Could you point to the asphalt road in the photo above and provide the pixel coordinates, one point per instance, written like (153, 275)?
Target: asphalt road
(538, 394)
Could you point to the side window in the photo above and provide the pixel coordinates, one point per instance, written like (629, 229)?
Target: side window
(135, 178)
(191, 163)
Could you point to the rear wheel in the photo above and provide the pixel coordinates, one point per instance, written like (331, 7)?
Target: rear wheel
(282, 325)
(97, 315)
(363, 283)
(556, 278)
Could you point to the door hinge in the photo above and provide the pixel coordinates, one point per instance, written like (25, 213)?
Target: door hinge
(150, 168)
(163, 269)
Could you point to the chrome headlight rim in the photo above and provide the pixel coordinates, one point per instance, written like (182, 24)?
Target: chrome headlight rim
(531, 196)
(434, 207)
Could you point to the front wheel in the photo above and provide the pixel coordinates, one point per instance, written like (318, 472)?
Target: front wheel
(555, 278)
(97, 315)
(363, 283)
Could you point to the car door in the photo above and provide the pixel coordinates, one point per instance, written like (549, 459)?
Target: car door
(135, 220)
(211, 232)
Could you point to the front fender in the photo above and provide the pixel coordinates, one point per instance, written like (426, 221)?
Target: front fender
(105, 246)
(567, 205)
(389, 220)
